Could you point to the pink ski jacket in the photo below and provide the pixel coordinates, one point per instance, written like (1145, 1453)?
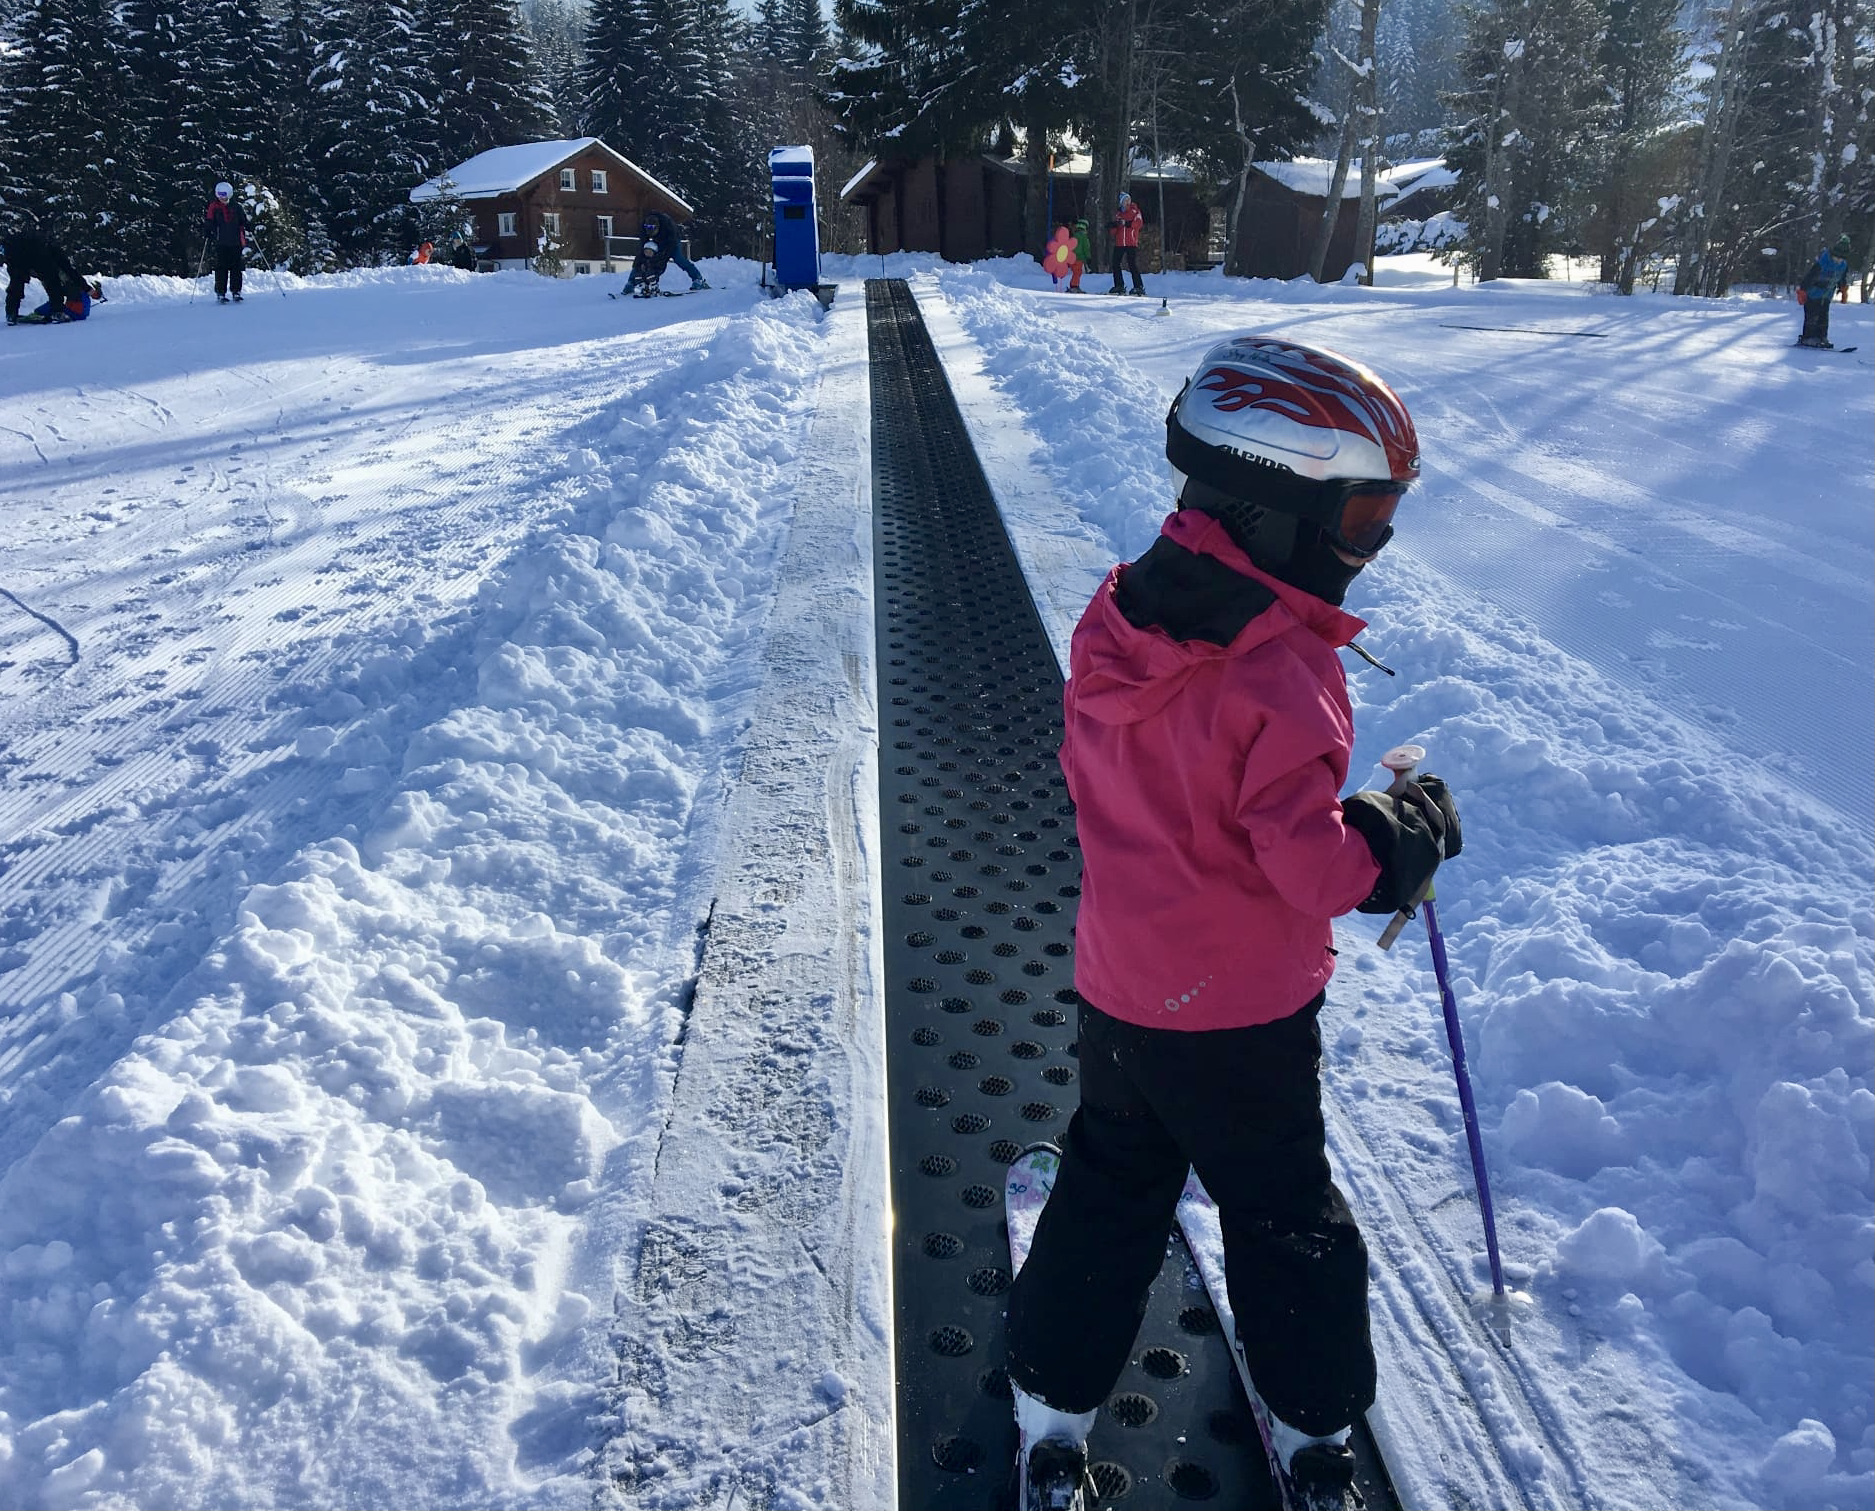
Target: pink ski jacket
(1206, 777)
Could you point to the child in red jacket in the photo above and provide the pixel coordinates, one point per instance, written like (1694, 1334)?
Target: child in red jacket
(1207, 737)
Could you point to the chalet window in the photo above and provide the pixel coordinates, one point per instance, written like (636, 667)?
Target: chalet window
(550, 223)
(505, 224)
(605, 227)
(598, 181)
(568, 178)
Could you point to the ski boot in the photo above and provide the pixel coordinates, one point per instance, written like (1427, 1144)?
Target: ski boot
(1054, 1477)
(1321, 1478)
(236, 298)
(697, 285)
(1051, 1457)
(221, 299)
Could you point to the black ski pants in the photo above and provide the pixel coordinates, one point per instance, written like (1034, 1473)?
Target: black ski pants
(1815, 316)
(20, 273)
(228, 263)
(1242, 1106)
(1130, 256)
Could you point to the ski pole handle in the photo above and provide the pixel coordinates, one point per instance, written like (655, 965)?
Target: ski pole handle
(1403, 761)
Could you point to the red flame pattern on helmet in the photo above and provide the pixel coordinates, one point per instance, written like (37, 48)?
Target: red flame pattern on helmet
(1320, 390)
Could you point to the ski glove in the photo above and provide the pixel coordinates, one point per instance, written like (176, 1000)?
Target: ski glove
(1409, 835)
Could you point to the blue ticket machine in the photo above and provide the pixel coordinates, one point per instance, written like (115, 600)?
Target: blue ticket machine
(797, 229)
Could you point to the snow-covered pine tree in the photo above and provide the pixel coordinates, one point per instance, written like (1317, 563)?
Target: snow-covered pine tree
(1419, 46)
(366, 140)
(487, 86)
(66, 128)
(1529, 111)
(900, 78)
(1245, 93)
(558, 28)
(623, 74)
(1640, 163)
(804, 41)
(175, 167)
(244, 89)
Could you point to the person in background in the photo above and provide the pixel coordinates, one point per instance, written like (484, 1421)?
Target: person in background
(30, 254)
(1206, 739)
(1828, 274)
(1125, 227)
(421, 257)
(1083, 255)
(461, 253)
(660, 228)
(226, 224)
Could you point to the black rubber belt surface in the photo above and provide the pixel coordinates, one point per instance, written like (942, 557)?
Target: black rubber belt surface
(982, 870)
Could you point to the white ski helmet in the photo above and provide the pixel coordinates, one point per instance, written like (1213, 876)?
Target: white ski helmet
(224, 190)
(1308, 433)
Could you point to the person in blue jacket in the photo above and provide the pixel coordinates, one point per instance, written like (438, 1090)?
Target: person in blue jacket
(1827, 274)
(660, 228)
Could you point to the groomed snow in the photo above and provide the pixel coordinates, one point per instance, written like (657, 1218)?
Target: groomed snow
(395, 669)
(1630, 606)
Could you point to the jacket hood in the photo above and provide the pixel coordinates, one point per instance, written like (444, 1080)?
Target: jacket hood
(1194, 598)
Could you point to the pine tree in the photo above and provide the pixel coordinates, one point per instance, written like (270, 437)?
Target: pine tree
(558, 29)
(1640, 66)
(621, 76)
(367, 89)
(1530, 111)
(175, 165)
(487, 86)
(65, 88)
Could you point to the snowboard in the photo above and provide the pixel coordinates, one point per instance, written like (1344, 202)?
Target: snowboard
(1198, 1221)
(1841, 351)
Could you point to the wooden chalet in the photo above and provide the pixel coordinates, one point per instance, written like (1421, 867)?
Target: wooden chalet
(591, 197)
(972, 207)
(1283, 207)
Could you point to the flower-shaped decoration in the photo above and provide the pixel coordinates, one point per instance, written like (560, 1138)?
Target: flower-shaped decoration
(1062, 257)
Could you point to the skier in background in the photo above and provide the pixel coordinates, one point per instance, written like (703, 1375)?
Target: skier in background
(1207, 736)
(31, 254)
(226, 225)
(659, 227)
(1083, 253)
(1125, 227)
(461, 254)
(1828, 274)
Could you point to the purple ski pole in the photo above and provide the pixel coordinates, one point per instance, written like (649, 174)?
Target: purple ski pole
(1402, 761)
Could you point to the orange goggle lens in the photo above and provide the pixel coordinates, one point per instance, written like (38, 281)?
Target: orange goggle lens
(1366, 520)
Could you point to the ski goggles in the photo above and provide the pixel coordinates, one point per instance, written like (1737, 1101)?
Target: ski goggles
(1360, 517)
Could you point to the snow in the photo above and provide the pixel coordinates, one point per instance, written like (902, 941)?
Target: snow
(440, 1048)
(1631, 662)
(858, 178)
(507, 170)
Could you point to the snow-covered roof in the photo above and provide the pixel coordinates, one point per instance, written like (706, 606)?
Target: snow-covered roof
(1072, 165)
(859, 178)
(1421, 173)
(1312, 176)
(1081, 165)
(508, 170)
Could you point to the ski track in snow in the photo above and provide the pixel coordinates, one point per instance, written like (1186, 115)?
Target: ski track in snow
(1660, 929)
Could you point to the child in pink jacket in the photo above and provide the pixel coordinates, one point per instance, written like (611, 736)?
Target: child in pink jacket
(1208, 734)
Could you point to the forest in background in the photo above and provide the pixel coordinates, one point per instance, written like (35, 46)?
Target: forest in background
(1729, 138)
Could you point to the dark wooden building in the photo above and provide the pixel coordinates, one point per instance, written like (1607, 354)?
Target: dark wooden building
(1282, 215)
(971, 207)
(591, 197)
